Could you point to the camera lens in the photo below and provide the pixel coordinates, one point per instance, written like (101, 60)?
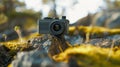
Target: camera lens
(56, 27)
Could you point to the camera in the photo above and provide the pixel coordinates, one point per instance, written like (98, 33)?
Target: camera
(53, 26)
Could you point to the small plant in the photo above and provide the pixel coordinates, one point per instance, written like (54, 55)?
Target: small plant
(110, 51)
(18, 31)
(88, 32)
(5, 36)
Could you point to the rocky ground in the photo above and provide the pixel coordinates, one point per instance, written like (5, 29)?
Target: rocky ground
(87, 45)
(39, 56)
(36, 52)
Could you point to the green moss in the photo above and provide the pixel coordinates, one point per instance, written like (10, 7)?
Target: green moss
(90, 56)
(99, 31)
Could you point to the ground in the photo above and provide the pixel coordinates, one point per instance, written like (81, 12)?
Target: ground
(79, 55)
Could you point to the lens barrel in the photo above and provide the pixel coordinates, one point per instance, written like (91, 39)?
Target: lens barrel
(57, 27)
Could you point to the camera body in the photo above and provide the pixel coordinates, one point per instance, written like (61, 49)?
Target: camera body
(53, 26)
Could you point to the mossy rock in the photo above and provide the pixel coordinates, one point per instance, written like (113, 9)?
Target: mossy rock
(90, 56)
(100, 31)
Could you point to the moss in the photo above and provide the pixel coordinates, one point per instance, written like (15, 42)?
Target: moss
(85, 56)
(90, 56)
(99, 31)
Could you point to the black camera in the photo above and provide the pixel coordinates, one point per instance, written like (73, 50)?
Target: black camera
(53, 26)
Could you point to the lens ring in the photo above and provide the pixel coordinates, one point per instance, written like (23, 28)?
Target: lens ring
(56, 28)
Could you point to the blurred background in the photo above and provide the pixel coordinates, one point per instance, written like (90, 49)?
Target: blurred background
(25, 13)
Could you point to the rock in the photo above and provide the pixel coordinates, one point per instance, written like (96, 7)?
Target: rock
(61, 64)
(101, 42)
(85, 21)
(110, 19)
(38, 57)
(47, 44)
(35, 58)
(4, 56)
(115, 23)
(101, 20)
(114, 37)
(74, 40)
(42, 42)
(107, 41)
